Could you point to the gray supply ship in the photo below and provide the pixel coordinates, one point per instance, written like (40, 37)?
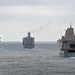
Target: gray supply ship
(67, 43)
(28, 41)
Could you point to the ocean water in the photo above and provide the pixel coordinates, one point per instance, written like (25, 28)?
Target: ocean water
(42, 60)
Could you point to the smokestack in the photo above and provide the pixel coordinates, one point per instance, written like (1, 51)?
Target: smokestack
(28, 34)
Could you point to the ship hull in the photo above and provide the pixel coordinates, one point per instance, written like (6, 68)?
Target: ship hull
(66, 54)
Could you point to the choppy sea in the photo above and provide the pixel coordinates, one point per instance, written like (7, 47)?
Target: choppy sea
(42, 60)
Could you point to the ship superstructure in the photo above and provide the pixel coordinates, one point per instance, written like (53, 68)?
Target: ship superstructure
(67, 43)
(28, 41)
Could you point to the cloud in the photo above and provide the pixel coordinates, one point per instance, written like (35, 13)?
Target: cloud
(17, 17)
(23, 11)
(35, 2)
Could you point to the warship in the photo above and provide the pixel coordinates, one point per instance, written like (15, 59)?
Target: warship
(67, 43)
(28, 41)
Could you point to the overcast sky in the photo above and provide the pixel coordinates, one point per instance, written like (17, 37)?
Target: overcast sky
(45, 19)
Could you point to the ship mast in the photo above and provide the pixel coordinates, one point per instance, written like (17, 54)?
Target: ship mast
(70, 25)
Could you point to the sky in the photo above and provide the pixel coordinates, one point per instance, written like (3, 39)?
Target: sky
(47, 20)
